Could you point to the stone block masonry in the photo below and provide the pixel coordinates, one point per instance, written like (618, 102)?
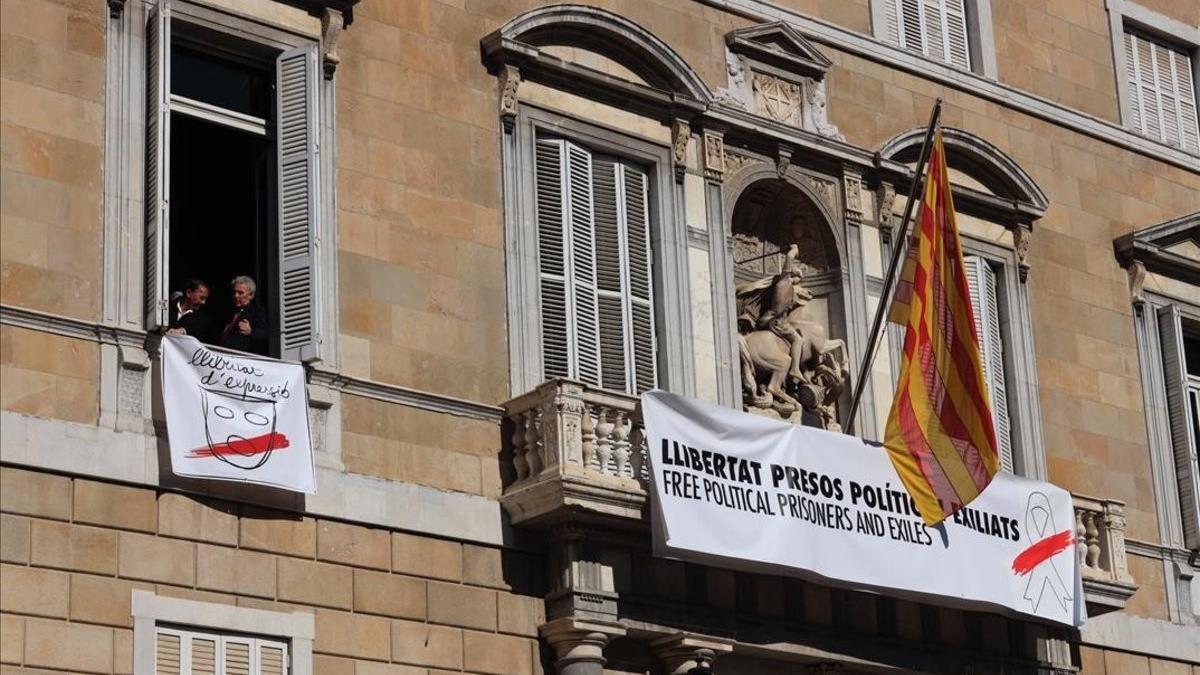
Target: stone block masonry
(75, 550)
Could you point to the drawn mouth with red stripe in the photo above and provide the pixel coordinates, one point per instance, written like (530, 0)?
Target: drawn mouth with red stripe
(243, 447)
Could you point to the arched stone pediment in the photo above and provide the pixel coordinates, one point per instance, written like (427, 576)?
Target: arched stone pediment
(605, 33)
(978, 159)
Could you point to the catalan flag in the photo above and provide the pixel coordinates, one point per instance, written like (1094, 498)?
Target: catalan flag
(939, 433)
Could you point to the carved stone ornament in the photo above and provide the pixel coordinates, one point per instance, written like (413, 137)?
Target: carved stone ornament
(1021, 237)
(853, 187)
(776, 98)
(510, 79)
(783, 160)
(1137, 280)
(826, 190)
(736, 91)
(714, 156)
(116, 8)
(817, 114)
(885, 201)
(332, 24)
(791, 369)
(681, 133)
(734, 162)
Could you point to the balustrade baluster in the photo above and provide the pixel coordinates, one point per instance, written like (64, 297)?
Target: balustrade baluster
(588, 429)
(518, 448)
(620, 444)
(1093, 540)
(604, 443)
(533, 441)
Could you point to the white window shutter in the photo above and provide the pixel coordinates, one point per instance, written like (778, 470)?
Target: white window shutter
(168, 654)
(158, 154)
(912, 27)
(955, 23)
(1189, 134)
(981, 281)
(1183, 439)
(582, 263)
(1148, 86)
(237, 658)
(203, 652)
(1135, 91)
(552, 261)
(891, 22)
(611, 274)
(272, 658)
(297, 80)
(933, 20)
(640, 285)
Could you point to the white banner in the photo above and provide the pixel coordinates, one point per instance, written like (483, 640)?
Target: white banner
(236, 417)
(746, 492)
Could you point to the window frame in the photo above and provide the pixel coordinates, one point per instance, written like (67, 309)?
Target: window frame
(151, 612)
(980, 35)
(1122, 15)
(668, 242)
(1020, 367)
(320, 264)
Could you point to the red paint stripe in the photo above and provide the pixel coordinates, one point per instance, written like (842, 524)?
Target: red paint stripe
(244, 447)
(1041, 552)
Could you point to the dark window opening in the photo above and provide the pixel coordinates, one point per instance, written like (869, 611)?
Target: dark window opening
(221, 184)
(220, 81)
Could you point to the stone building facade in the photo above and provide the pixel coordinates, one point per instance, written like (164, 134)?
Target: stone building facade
(480, 503)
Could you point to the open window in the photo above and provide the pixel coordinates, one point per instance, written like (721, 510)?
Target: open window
(231, 171)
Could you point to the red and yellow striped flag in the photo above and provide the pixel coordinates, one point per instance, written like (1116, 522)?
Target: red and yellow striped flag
(939, 433)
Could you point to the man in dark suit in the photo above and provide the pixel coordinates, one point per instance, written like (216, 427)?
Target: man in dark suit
(187, 312)
(248, 329)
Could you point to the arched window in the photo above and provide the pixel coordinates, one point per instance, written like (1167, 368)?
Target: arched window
(997, 203)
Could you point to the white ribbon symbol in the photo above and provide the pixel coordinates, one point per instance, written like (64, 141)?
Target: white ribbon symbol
(1039, 522)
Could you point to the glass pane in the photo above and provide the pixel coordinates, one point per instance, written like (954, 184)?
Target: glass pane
(222, 82)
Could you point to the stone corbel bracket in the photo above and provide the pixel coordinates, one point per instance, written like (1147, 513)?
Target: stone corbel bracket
(1022, 233)
(681, 135)
(510, 80)
(116, 8)
(333, 22)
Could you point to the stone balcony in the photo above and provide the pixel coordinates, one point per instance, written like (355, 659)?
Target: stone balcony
(1100, 541)
(578, 453)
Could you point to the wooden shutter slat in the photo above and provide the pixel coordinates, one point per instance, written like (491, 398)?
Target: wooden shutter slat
(610, 275)
(167, 654)
(238, 655)
(296, 105)
(158, 146)
(272, 659)
(1135, 91)
(582, 262)
(982, 285)
(891, 22)
(204, 655)
(637, 238)
(955, 22)
(549, 205)
(1183, 436)
(1188, 124)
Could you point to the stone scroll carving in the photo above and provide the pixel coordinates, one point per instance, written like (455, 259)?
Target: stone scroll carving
(790, 368)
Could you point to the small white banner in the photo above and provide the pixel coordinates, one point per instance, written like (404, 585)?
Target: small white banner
(236, 417)
(746, 492)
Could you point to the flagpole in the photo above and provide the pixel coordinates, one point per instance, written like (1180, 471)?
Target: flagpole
(899, 247)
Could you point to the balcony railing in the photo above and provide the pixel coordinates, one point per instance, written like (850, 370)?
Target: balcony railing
(575, 446)
(580, 452)
(1100, 543)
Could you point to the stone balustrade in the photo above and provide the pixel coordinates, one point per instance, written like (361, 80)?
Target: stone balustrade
(1100, 544)
(573, 445)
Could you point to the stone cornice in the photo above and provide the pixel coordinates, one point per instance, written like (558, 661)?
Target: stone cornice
(21, 317)
(1148, 246)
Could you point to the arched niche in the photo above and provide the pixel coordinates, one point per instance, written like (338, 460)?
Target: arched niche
(771, 213)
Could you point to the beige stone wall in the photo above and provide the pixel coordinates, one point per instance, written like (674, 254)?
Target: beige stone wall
(48, 375)
(1060, 50)
(51, 134)
(74, 550)
(416, 446)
